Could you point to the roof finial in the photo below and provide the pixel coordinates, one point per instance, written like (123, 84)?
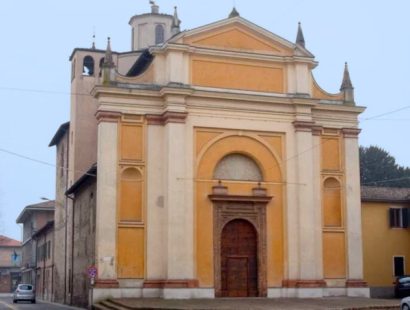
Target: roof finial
(154, 7)
(300, 39)
(108, 61)
(93, 45)
(347, 86)
(346, 83)
(234, 13)
(175, 28)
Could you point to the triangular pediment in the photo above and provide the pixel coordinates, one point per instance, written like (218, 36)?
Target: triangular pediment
(238, 34)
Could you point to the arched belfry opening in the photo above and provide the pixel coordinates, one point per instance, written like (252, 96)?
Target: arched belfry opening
(239, 229)
(88, 66)
(239, 259)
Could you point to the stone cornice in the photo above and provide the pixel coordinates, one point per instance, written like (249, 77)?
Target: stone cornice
(155, 99)
(203, 51)
(340, 107)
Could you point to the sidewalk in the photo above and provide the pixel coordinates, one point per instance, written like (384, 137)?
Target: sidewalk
(343, 303)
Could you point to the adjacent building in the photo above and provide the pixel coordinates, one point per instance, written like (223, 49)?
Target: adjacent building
(10, 264)
(224, 170)
(44, 243)
(386, 237)
(33, 218)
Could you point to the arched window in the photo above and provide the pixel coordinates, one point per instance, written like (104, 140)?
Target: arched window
(88, 65)
(237, 167)
(332, 204)
(159, 34)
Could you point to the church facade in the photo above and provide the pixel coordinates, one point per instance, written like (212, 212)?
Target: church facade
(223, 169)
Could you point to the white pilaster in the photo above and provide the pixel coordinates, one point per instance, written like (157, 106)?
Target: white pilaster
(306, 208)
(292, 212)
(309, 222)
(179, 214)
(317, 201)
(156, 213)
(106, 213)
(353, 206)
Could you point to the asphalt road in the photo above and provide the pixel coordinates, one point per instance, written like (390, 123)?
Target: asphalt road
(6, 303)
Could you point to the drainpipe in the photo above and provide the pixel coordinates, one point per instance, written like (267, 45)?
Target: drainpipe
(65, 218)
(44, 263)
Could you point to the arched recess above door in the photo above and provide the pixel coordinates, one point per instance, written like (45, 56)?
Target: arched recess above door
(245, 145)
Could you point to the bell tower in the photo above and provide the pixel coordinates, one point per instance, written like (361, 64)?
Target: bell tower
(153, 28)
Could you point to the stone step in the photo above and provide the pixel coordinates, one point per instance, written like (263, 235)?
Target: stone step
(113, 305)
(99, 306)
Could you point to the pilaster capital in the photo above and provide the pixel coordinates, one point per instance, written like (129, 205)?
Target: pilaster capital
(351, 132)
(305, 126)
(108, 116)
(317, 130)
(166, 117)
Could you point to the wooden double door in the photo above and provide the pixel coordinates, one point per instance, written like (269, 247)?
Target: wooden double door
(239, 259)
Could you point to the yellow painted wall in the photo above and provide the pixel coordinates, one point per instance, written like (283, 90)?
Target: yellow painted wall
(130, 208)
(381, 243)
(131, 141)
(334, 255)
(131, 252)
(331, 159)
(214, 148)
(237, 37)
(243, 75)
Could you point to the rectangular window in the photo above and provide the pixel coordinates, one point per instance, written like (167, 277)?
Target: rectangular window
(399, 217)
(398, 265)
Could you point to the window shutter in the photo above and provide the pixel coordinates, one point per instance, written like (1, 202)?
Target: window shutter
(391, 217)
(405, 215)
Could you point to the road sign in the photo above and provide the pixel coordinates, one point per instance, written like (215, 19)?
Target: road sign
(92, 271)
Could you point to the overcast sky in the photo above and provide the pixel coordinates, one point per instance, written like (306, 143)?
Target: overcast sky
(37, 38)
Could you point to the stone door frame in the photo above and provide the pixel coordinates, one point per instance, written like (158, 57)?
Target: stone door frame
(251, 209)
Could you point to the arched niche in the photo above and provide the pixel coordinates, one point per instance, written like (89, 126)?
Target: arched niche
(332, 204)
(248, 146)
(130, 195)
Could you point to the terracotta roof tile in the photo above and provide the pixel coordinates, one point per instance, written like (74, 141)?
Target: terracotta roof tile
(388, 194)
(6, 241)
